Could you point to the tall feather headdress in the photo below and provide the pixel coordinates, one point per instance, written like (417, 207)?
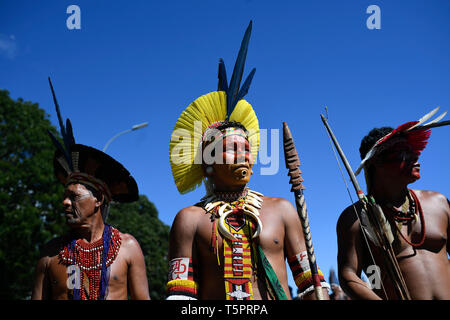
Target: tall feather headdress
(226, 103)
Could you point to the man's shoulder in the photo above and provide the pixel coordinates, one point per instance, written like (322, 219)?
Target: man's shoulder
(49, 253)
(190, 212)
(53, 247)
(276, 201)
(348, 216)
(280, 208)
(433, 199)
(130, 249)
(430, 194)
(188, 218)
(128, 240)
(351, 208)
(194, 209)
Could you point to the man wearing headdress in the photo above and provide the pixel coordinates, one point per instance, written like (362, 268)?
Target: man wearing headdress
(233, 243)
(418, 220)
(95, 261)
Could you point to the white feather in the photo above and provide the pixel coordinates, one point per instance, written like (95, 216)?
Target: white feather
(436, 120)
(425, 118)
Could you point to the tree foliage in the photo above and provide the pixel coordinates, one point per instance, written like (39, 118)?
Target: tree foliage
(31, 204)
(30, 198)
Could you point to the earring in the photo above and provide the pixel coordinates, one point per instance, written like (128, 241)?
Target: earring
(209, 170)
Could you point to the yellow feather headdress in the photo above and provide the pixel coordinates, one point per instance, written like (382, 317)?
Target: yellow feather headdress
(225, 104)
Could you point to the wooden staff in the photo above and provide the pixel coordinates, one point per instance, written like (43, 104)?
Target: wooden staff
(292, 164)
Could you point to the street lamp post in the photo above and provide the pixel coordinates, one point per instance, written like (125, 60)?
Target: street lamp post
(133, 128)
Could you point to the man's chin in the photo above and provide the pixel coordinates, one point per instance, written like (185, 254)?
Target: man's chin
(235, 184)
(413, 178)
(242, 181)
(411, 174)
(72, 221)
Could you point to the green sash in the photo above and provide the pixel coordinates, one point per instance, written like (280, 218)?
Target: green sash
(271, 276)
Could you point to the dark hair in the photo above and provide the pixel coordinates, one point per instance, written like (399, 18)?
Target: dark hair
(232, 124)
(104, 208)
(369, 140)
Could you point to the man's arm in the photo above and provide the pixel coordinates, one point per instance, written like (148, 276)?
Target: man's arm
(40, 288)
(350, 257)
(295, 240)
(182, 233)
(137, 276)
(182, 283)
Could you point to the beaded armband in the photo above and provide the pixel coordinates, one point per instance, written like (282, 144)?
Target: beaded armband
(301, 272)
(182, 282)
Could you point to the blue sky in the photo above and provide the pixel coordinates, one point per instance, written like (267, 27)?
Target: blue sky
(136, 61)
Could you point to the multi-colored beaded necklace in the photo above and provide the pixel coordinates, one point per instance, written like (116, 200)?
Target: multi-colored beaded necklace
(233, 210)
(93, 260)
(407, 213)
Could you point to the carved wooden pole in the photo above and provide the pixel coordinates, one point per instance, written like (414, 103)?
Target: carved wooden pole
(292, 164)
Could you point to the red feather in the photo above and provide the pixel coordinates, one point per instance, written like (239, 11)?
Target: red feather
(417, 139)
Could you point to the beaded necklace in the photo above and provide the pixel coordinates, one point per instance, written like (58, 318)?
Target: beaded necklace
(93, 260)
(408, 212)
(231, 196)
(239, 223)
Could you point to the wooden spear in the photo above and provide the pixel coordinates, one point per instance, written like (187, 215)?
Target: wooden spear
(292, 164)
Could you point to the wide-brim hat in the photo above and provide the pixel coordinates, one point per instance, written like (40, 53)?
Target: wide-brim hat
(96, 168)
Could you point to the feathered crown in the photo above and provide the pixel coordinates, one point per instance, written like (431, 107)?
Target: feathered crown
(416, 134)
(226, 103)
(79, 163)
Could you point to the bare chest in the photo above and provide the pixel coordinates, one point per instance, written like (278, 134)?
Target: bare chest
(271, 237)
(428, 231)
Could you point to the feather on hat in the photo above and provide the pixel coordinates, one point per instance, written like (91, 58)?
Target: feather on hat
(416, 134)
(74, 163)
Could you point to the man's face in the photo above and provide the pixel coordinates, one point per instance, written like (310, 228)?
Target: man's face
(79, 204)
(400, 163)
(237, 164)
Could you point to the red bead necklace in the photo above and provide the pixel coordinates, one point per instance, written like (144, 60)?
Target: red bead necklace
(88, 257)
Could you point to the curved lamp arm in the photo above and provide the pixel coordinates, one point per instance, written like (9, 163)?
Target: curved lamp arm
(133, 128)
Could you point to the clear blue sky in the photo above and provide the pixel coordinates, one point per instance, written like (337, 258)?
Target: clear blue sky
(136, 61)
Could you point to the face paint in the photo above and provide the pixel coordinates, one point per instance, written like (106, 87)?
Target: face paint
(78, 203)
(237, 164)
(400, 160)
